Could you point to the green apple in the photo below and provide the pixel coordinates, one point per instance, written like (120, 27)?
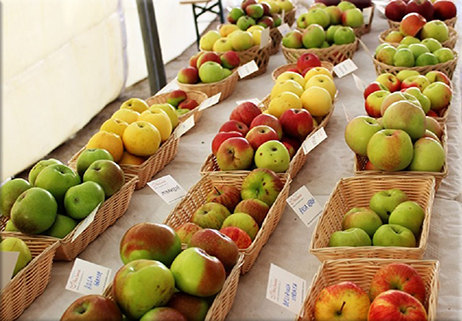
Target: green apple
(426, 59)
(313, 36)
(418, 49)
(208, 39)
(255, 208)
(394, 36)
(406, 116)
(435, 29)
(88, 156)
(403, 58)
(405, 73)
(9, 192)
(243, 221)
(335, 15)
(37, 168)
(386, 55)
(245, 22)
(352, 237)
(262, 184)
(344, 35)
(398, 96)
(272, 155)
(384, 202)
(353, 18)
(223, 45)
(444, 55)
(210, 71)
(293, 39)
(210, 215)
(142, 285)
(330, 32)
(358, 132)
(394, 235)
(80, 200)
(150, 241)
(254, 10)
(198, 273)
(61, 227)
(302, 20)
(186, 230)
(423, 100)
(15, 244)
(408, 214)
(440, 95)
(34, 211)
(379, 47)
(9, 226)
(318, 16)
(429, 156)
(407, 40)
(362, 217)
(57, 179)
(432, 44)
(107, 174)
(234, 14)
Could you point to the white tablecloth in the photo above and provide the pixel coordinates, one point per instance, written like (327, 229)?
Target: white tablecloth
(288, 246)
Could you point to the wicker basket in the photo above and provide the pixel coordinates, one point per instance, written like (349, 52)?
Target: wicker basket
(334, 54)
(359, 31)
(196, 95)
(289, 17)
(449, 22)
(259, 55)
(32, 280)
(284, 68)
(447, 67)
(223, 301)
(360, 165)
(450, 43)
(225, 86)
(367, 27)
(196, 197)
(276, 38)
(361, 272)
(356, 192)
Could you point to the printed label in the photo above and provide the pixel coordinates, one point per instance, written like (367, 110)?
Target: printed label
(344, 68)
(184, 127)
(85, 223)
(247, 69)
(209, 102)
(284, 29)
(88, 278)
(305, 205)
(314, 140)
(167, 188)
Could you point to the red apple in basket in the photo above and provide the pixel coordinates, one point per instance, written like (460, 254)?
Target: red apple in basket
(235, 153)
(255, 208)
(395, 10)
(411, 24)
(269, 120)
(230, 59)
(394, 305)
(208, 56)
(245, 112)
(193, 307)
(293, 141)
(389, 80)
(189, 104)
(176, 96)
(422, 7)
(308, 60)
(210, 215)
(260, 134)
(193, 59)
(186, 230)
(373, 87)
(226, 195)
(297, 123)
(444, 9)
(221, 137)
(239, 236)
(188, 75)
(373, 103)
(92, 307)
(234, 125)
(436, 75)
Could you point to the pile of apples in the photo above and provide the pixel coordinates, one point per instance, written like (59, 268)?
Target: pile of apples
(396, 292)
(390, 220)
(136, 131)
(263, 13)
(208, 67)
(181, 101)
(55, 198)
(15, 244)
(433, 91)
(395, 10)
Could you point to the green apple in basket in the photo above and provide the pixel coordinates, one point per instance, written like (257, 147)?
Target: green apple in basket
(37, 168)
(14, 244)
(80, 200)
(212, 71)
(408, 214)
(88, 156)
(107, 174)
(394, 235)
(354, 236)
(384, 202)
(9, 192)
(61, 227)
(273, 155)
(362, 217)
(263, 184)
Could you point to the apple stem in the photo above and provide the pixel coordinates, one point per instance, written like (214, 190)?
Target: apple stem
(341, 308)
(216, 189)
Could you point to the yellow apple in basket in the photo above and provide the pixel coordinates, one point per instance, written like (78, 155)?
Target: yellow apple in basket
(292, 75)
(136, 104)
(170, 110)
(206, 41)
(127, 115)
(318, 71)
(114, 125)
(160, 119)
(322, 81)
(286, 85)
(227, 28)
(317, 101)
(242, 41)
(284, 101)
(141, 138)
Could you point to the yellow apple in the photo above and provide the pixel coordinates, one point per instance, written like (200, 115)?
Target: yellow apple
(130, 159)
(284, 101)
(324, 82)
(242, 41)
(108, 141)
(256, 35)
(160, 119)
(317, 101)
(141, 138)
(223, 45)
(127, 115)
(286, 85)
(114, 125)
(171, 112)
(317, 71)
(292, 75)
(274, 7)
(206, 41)
(227, 28)
(136, 104)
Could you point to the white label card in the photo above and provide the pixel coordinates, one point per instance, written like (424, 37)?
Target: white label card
(171, 86)
(88, 278)
(256, 101)
(360, 84)
(284, 29)
(367, 14)
(365, 48)
(305, 206)
(167, 188)
(344, 68)
(209, 102)
(264, 38)
(7, 263)
(247, 69)
(85, 223)
(184, 127)
(286, 289)
(314, 140)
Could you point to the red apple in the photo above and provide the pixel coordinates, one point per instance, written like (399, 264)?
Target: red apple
(246, 3)
(227, 195)
(395, 10)
(444, 9)
(370, 167)
(411, 24)
(245, 112)
(92, 307)
(230, 59)
(436, 75)
(374, 101)
(269, 120)
(193, 307)
(422, 7)
(241, 238)
(235, 153)
(260, 134)
(208, 56)
(234, 125)
(372, 87)
(186, 230)
(176, 96)
(189, 103)
(396, 305)
(266, 21)
(221, 137)
(188, 75)
(297, 123)
(293, 141)
(294, 69)
(193, 59)
(255, 208)
(390, 81)
(432, 113)
(308, 60)
(290, 148)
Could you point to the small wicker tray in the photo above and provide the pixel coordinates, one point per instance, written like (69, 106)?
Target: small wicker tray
(450, 43)
(360, 164)
(449, 22)
(284, 68)
(225, 86)
(196, 196)
(260, 55)
(356, 192)
(276, 38)
(334, 54)
(361, 272)
(32, 280)
(196, 95)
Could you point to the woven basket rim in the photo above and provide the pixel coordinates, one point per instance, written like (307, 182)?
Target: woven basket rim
(339, 47)
(382, 35)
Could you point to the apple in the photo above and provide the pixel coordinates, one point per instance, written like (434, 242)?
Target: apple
(220, 137)
(260, 134)
(432, 44)
(244, 40)
(390, 81)
(293, 39)
(426, 59)
(405, 73)
(435, 29)
(395, 97)
(198, 273)
(246, 3)
(422, 7)
(193, 307)
(243, 221)
(57, 179)
(92, 307)
(283, 101)
(62, 226)
(419, 81)
(266, 21)
(351, 237)
(395, 10)
(234, 14)
(330, 33)
(235, 153)
(429, 156)
(335, 15)
(423, 100)
(210, 215)
(408, 40)
(234, 125)
(9, 192)
(444, 55)
(287, 85)
(386, 54)
(394, 36)
(188, 75)
(358, 132)
(245, 112)
(38, 167)
(434, 126)
(268, 120)
(80, 200)
(352, 18)
(344, 35)
(186, 230)
(363, 218)
(255, 208)
(394, 235)
(408, 214)
(396, 305)
(223, 45)
(436, 75)
(418, 49)
(136, 104)
(296, 123)
(273, 155)
(245, 22)
(107, 174)
(170, 110)
(313, 36)
(163, 313)
(176, 96)
(227, 195)
(142, 285)
(374, 102)
(373, 87)
(318, 16)
(239, 236)
(403, 58)
(211, 71)
(15, 244)
(88, 156)
(405, 116)
(285, 5)
(411, 24)
(291, 75)
(302, 20)
(254, 10)
(343, 301)
(230, 59)
(317, 100)
(384, 202)
(208, 39)
(216, 244)
(263, 184)
(322, 81)
(440, 95)
(444, 9)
